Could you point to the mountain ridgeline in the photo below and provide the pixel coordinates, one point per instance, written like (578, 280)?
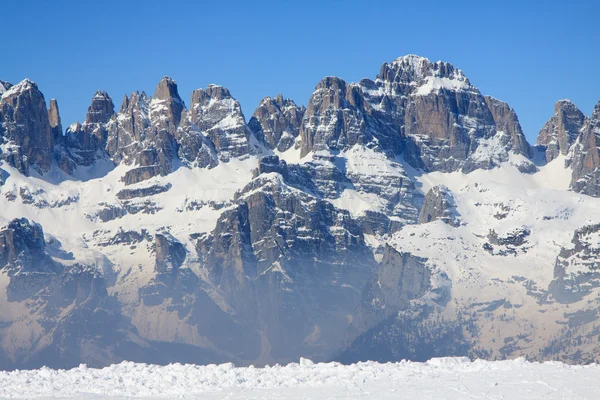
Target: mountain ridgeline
(401, 217)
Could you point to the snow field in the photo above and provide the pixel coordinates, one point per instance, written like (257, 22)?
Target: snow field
(439, 378)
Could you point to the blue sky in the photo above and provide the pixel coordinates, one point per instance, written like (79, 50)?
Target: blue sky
(528, 53)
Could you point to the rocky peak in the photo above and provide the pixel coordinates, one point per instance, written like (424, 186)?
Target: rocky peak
(132, 121)
(279, 100)
(330, 92)
(26, 127)
(561, 130)
(151, 133)
(219, 116)
(124, 103)
(586, 157)
(506, 121)
(405, 69)
(415, 74)
(166, 106)
(101, 110)
(13, 91)
(85, 143)
(166, 89)
(338, 117)
(428, 110)
(55, 122)
(276, 122)
(217, 92)
(135, 101)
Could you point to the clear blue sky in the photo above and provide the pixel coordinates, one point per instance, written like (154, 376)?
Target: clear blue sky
(528, 53)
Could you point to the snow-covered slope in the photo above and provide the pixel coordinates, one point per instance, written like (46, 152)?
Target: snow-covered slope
(499, 268)
(439, 378)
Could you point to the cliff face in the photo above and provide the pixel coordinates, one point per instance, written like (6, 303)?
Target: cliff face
(561, 130)
(277, 122)
(25, 130)
(586, 157)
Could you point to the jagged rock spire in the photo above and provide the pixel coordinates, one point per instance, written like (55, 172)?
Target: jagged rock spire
(586, 157)
(561, 130)
(26, 127)
(101, 110)
(54, 120)
(276, 121)
(218, 115)
(166, 104)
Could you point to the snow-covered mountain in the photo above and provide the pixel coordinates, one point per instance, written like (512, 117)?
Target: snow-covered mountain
(401, 217)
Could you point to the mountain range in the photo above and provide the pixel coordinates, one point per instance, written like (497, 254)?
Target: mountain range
(401, 217)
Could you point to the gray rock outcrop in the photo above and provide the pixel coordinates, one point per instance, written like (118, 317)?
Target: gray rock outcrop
(576, 272)
(219, 116)
(560, 132)
(276, 122)
(439, 204)
(54, 120)
(400, 278)
(86, 143)
(169, 253)
(25, 129)
(586, 157)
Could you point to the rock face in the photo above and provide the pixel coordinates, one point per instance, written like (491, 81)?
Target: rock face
(86, 143)
(392, 321)
(290, 262)
(25, 129)
(170, 254)
(339, 116)
(429, 111)
(561, 131)
(400, 278)
(439, 204)
(366, 173)
(586, 158)
(277, 122)
(506, 121)
(570, 133)
(55, 122)
(576, 270)
(219, 116)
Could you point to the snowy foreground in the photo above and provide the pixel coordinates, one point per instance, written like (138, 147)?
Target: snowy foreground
(441, 378)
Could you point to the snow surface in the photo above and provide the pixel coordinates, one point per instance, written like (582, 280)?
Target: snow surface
(439, 378)
(20, 87)
(435, 83)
